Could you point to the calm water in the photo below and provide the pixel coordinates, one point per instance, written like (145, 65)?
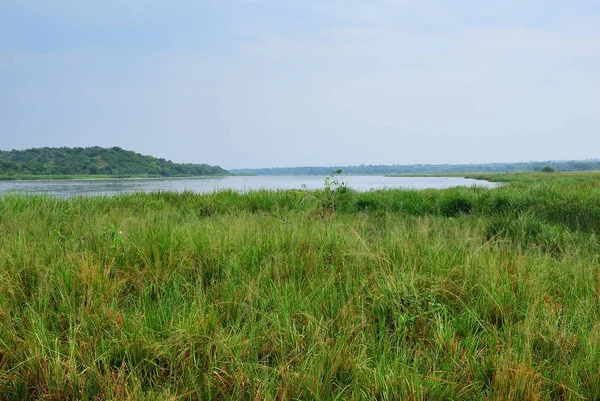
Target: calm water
(68, 188)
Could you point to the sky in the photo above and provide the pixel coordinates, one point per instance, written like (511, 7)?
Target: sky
(266, 83)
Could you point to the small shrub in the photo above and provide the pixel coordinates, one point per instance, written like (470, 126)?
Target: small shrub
(335, 194)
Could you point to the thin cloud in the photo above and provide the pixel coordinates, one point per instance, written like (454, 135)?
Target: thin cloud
(266, 83)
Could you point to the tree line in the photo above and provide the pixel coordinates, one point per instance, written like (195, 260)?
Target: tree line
(95, 161)
(581, 165)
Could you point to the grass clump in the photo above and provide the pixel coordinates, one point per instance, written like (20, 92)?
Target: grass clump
(464, 293)
(452, 206)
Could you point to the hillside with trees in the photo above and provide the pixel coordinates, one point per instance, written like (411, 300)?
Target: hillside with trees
(581, 165)
(94, 161)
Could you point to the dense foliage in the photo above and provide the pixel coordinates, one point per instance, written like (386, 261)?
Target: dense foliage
(458, 294)
(94, 161)
(585, 165)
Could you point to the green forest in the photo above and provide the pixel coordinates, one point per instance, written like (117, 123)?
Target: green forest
(579, 165)
(94, 161)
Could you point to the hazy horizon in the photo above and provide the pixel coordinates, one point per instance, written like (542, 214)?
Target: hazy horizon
(262, 83)
(363, 164)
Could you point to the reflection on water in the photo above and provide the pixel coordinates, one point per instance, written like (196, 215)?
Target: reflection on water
(67, 188)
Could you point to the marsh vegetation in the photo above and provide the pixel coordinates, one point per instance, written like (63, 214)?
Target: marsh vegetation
(463, 293)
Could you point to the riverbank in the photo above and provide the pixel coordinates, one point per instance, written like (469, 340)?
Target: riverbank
(463, 293)
(523, 177)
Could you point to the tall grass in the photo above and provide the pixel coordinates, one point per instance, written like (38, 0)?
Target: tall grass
(458, 294)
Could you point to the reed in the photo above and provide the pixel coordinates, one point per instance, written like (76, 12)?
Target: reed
(464, 293)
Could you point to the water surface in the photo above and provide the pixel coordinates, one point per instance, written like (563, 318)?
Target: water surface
(67, 188)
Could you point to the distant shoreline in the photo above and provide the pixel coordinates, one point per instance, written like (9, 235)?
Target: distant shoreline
(104, 177)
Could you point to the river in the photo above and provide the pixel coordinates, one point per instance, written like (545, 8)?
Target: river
(68, 188)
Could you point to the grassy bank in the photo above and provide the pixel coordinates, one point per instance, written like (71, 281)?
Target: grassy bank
(464, 293)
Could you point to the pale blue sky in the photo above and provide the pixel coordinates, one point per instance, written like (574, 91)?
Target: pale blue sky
(261, 83)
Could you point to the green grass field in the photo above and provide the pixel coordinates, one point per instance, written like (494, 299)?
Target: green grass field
(458, 294)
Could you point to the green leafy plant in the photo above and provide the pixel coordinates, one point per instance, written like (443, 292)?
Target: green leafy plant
(114, 235)
(333, 184)
(335, 193)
